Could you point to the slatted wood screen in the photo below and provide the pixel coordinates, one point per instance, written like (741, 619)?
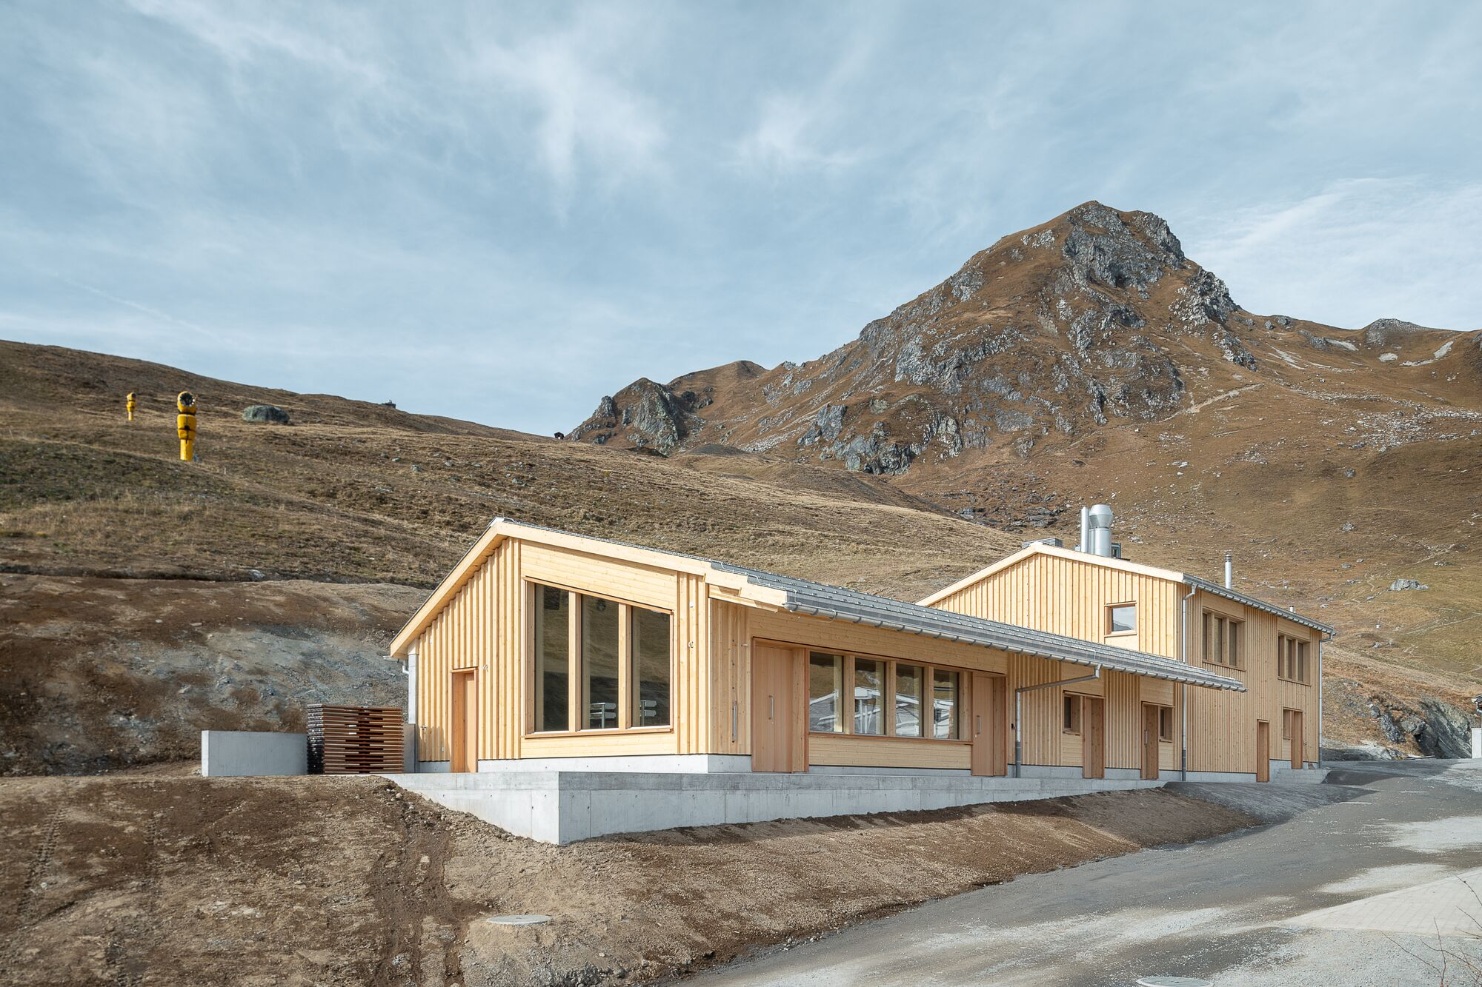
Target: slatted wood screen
(354, 740)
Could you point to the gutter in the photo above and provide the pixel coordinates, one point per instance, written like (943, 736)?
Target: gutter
(1019, 711)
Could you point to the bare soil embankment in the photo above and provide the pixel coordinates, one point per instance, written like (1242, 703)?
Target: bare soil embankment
(159, 878)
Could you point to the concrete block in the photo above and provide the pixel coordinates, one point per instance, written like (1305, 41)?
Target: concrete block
(236, 753)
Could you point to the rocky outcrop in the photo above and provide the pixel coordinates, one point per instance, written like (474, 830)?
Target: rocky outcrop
(643, 415)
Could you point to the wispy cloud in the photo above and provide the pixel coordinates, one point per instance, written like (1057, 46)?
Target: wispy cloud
(1402, 248)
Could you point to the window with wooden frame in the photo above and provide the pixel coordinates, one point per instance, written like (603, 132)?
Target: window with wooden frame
(1224, 640)
(866, 696)
(1291, 659)
(1288, 720)
(1165, 724)
(1121, 618)
(599, 664)
(1070, 717)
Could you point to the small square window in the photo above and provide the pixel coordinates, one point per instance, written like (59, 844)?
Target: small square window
(1072, 717)
(1121, 619)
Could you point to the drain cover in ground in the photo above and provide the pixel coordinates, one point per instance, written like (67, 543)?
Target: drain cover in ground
(519, 919)
(1173, 982)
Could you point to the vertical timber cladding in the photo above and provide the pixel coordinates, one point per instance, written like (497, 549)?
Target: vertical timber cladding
(472, 632)
(811, 633)
(730, 676)
(1070, 596)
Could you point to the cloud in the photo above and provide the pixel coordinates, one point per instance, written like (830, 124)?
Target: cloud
(1353, 251)
(589, 114)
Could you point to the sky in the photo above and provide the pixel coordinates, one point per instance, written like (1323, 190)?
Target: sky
(502, 212)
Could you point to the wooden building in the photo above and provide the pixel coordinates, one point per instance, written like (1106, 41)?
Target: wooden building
(1275, 653)
(544, 649)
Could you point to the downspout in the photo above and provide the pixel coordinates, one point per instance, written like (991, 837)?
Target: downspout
(1019, 711)
(411, 674)
(1321, 639)
(1183, 691)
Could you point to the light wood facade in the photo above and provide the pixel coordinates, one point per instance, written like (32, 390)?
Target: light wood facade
(1275, 654)
(542, 644)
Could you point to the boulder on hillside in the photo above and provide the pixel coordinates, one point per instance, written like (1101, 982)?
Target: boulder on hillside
(266, 413)
(1400, 585)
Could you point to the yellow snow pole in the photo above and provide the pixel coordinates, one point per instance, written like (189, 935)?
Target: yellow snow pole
(129, 405)
(185, 425)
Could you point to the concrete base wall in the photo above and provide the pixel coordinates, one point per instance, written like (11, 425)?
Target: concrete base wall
(565, 806)
(651, 763)
(234, 753)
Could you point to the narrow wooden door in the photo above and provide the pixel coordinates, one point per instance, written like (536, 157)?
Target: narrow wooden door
(465, 727)
(1263, 751)
(1294, 727)
(986, 729)
(1093, 738)
(1149, 743)
(779, 712)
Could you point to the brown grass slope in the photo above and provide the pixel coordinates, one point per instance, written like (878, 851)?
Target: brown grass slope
(132, 612)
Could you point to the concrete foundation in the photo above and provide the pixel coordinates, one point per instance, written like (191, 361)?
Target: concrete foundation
(565, 806)
(234, 753)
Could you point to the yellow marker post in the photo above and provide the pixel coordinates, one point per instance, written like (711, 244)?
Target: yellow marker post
(129, 405)
(185, 425)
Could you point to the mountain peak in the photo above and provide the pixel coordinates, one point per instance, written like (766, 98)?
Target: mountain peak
(1093, 317)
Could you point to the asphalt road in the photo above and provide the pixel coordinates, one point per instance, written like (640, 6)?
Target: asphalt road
(1376, 890)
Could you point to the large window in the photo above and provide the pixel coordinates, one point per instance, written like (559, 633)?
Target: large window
(609, 660)
(909, 680)
(825, 693)
(878, 697)
(869, 698)
(552, 659)
(944, 707)
(1291, 659)
(1224, 639)
(650, 643)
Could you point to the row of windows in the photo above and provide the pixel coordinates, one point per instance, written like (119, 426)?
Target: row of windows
(1224, 639)
(590, 653)
(1291, 659)
(877, 697)
(1071, 718)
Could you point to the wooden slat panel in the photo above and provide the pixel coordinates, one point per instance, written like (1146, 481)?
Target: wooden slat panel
(833, 749)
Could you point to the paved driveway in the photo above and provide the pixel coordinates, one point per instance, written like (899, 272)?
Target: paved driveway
(1374, 890)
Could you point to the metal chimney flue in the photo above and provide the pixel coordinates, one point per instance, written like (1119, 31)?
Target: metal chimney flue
(1229, 570)
(1085, 545)
(1099, 520)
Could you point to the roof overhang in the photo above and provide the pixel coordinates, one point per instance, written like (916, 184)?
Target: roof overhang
(770, 590)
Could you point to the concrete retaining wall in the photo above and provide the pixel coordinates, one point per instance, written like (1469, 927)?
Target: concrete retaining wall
(227, 753)
(566, 806)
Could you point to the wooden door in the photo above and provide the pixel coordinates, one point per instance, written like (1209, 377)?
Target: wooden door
(987, 730)
(1263, 751)
(1093, 738)
(1149, 743)
(779, 710)
(465, 727)
(1294, 727)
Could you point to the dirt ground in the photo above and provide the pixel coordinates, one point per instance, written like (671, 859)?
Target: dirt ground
(160, 877)
(100, 674)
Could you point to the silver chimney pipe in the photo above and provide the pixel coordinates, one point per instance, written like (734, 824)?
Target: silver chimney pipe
(1085, 545)
(1099, 517)
(1229, 571)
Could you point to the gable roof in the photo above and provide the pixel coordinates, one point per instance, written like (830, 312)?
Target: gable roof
(808, 598)
(1122, 565)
